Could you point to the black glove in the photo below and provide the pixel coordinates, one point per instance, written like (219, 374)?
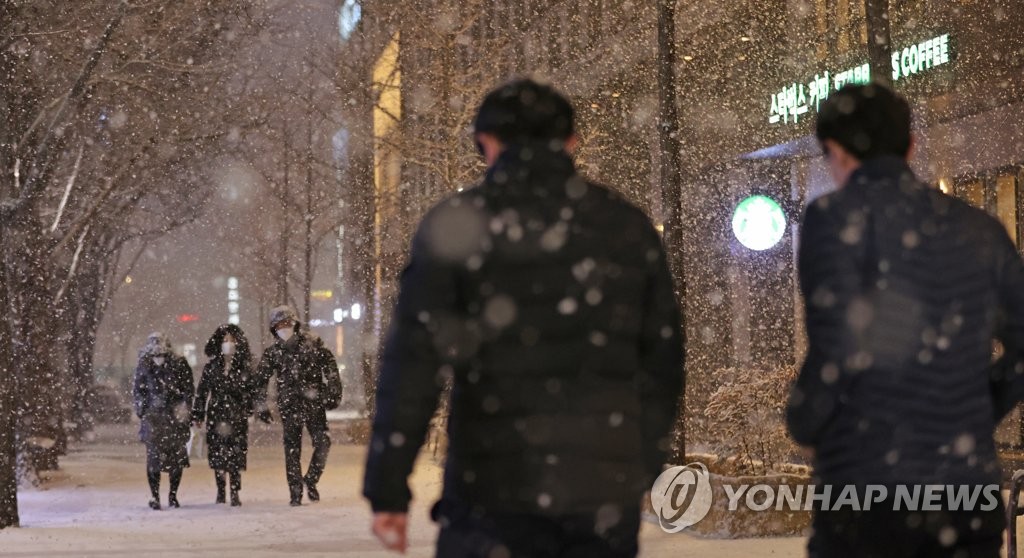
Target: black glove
(265, 416)
(332, 393)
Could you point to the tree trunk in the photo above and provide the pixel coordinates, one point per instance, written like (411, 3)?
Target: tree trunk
(282, 278)
(361, 209)
(34, 329)
(879, 40)
(8, 460)
(84, 304)
(672, 179)
(307, 218)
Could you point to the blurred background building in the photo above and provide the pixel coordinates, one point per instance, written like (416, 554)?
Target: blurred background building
(750, 78)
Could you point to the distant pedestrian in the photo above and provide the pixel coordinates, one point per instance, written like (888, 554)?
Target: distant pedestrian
(163, 389)
(906, 290)
(546, 300)
(308, 384)
(224, 400)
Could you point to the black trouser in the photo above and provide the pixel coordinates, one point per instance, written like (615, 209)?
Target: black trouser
(154, 482)
(236, 481)
(157, 461)
(315, 421)
(903, 534)
(611, 533)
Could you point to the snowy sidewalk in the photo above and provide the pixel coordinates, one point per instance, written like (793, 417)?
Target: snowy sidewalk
(96, 506)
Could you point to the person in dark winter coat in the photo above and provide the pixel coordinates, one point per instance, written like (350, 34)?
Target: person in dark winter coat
(162, 390)
(308, 384)
(906, 289)
(224, 399)
(546, 300)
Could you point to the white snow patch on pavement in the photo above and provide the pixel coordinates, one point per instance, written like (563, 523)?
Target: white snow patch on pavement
(96, 505)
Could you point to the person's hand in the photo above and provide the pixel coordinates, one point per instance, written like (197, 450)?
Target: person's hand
(391, 529)
(265, 416)
(197, 423)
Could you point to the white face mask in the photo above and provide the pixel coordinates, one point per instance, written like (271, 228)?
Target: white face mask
(159, 361)
(285, 333)
(227, 347)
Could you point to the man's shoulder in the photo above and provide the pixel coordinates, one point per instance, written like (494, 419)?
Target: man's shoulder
(453, 228)
(313, 343)
(835, 202)
(467, 196)
(272, 351)
(607, 205)
(975, 217)
(615, 200)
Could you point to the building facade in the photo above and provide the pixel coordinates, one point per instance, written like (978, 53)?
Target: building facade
(750, 78)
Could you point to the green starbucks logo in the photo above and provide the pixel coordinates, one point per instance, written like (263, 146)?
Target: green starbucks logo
(759, 223)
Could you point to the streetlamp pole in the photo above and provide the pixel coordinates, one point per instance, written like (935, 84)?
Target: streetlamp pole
(670, 147)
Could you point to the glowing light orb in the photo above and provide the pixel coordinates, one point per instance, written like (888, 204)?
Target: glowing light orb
(759, 223)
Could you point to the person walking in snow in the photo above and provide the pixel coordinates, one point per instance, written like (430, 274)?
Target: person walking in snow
(224, 400)
(163, 390)
(906, 289)
(308, 384)
(546, 300)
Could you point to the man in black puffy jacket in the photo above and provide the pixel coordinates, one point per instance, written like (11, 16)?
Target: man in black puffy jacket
(308, 384)
(906, 289)
(547, 302)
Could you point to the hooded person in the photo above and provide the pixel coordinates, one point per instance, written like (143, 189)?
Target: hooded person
(162, 393)
(224, 402)
(308, 384)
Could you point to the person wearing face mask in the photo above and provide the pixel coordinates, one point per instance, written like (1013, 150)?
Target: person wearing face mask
(224, 402)
(308, 384)
(162, 390)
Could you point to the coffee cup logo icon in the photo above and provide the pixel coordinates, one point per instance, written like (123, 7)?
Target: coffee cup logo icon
(681, 496)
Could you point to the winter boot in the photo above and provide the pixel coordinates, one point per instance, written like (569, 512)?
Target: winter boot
(296, 495)
(312, 492)
(154, 489)
(172, 496)
(236, 486)
(219, 477)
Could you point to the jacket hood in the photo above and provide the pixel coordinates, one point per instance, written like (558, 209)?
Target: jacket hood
(156, 344)
(281, 313)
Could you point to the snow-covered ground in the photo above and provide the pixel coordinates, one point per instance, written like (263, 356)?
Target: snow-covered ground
(96, 506)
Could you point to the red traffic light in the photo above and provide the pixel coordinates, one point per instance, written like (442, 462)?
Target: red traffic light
(186, 318)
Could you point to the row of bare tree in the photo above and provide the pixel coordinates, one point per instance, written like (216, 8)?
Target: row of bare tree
(112, 109)
(109, 110)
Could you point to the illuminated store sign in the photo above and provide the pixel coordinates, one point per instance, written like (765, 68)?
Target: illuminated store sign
(759, 223)
(796, 100)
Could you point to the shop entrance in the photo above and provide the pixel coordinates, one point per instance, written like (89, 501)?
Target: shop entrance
(999, 193)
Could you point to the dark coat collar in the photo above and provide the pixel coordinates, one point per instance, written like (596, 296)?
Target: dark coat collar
(535, 164)
(881, 169)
